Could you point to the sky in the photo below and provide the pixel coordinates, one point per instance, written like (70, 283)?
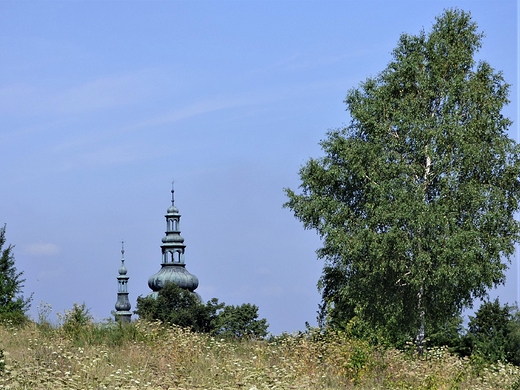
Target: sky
(104, 103)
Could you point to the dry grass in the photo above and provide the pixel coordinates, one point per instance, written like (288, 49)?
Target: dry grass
(149, 356)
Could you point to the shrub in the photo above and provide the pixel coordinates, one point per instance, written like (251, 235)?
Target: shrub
(177, 306)
(240, 321)
(13, 306)
(494, 333)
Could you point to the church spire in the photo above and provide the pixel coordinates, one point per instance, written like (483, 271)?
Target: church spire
(173, 268)
(173, 191)
(123, 313)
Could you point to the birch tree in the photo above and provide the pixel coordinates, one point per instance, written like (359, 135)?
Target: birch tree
(415, 199)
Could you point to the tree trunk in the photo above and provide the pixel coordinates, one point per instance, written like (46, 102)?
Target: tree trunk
(420, 332)
(419, 339)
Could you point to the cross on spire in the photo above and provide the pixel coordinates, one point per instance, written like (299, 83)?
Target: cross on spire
(172, 192)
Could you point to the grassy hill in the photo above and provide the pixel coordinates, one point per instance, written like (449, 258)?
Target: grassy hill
(144, 355)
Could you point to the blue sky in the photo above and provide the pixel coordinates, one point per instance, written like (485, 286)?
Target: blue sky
(104, 103)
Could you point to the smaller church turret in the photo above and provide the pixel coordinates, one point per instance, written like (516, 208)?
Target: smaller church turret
(122, 313)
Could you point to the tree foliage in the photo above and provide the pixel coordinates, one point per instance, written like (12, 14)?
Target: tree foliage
(494, 332)
(414, 200)
(240, 321)
(177, 306)
(13, 306)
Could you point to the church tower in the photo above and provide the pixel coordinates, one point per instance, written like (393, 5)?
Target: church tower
(123, 313)
(173, 268)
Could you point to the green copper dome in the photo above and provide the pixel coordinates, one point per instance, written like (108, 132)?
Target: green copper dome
(177, 274)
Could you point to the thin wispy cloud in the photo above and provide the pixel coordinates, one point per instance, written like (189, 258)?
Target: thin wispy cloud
(190, 111)
(104, 93)
(43, 249)
(299, 62)
(101, 93)
(116, 154)
(254, 98)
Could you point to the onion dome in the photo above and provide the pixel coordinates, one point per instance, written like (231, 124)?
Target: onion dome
(122, 269)
(177, 274)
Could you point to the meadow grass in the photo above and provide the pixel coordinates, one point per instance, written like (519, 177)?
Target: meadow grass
(144, 355)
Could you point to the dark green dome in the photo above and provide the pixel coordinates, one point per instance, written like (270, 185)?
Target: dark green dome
(175, 273)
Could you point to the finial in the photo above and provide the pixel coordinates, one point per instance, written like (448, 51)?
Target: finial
(122, 269)
(172, 193)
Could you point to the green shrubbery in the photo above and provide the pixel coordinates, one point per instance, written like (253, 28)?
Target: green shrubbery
(494, 333)
(78, 326)
(177, 306)
(13, 306)
(239, 321)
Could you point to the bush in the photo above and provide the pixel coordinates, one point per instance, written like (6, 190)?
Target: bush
(177, 306)
(13, 306)
(494, 333)
(240, 321)
(513, 340)
(76, 317)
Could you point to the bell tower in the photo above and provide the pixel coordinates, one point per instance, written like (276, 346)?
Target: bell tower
(173, 268)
